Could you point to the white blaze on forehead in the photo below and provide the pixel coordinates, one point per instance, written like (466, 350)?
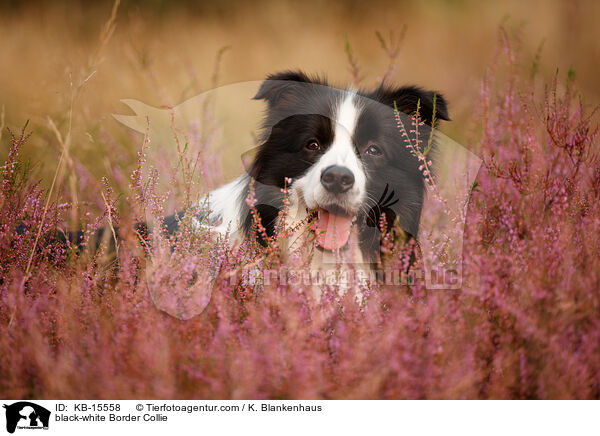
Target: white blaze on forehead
(342, 150)
(346, 117)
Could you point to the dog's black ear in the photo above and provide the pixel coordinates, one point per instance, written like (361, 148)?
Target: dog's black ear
(408, 97)
(277, 85)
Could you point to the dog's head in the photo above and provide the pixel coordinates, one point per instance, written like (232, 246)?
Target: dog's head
(346, 156)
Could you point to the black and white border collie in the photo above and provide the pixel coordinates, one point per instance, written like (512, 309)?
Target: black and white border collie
(343, 158)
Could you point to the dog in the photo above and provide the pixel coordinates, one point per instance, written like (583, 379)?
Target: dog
(341, 158)
(338, 165)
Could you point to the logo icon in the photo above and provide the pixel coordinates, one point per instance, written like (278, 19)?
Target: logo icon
(26, 415)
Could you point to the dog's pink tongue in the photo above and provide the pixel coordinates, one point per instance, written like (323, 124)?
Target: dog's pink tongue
(332, 230)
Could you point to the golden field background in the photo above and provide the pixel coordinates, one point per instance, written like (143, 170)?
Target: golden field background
(56, 65)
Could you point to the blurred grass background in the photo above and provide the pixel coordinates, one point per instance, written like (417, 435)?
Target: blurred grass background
(163, 52)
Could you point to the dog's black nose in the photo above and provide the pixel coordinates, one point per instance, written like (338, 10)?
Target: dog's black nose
(337, 179)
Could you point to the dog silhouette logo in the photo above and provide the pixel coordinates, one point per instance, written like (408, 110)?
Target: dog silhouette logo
(26, 415)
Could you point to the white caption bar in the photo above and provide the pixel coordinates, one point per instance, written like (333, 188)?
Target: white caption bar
(299, 417)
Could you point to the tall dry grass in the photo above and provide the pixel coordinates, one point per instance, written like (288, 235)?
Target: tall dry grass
(164, 54)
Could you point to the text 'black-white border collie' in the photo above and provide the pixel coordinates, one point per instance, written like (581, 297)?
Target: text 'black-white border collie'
(342, 158)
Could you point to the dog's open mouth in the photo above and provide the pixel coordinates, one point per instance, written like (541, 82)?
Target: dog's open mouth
(332, 227)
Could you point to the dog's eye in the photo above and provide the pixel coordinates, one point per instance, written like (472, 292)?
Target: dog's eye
(313, 145)
(373, 150)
